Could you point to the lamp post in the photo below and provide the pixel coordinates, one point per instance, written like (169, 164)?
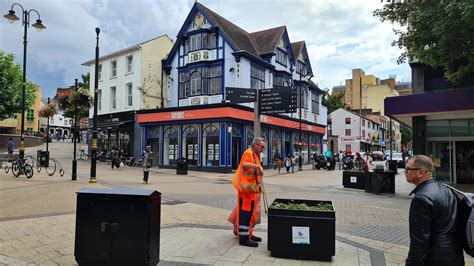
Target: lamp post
(74, 160)
(25, 19)
(94, 130)
(47, 128)
(300, 162)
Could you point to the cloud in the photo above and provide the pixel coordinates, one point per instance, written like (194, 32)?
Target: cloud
(340, 35)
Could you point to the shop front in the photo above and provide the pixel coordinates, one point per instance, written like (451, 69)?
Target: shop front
(214, 137)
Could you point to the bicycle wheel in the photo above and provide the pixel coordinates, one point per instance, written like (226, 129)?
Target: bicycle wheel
(38, 167)
(51, 169)
(16, 169)
(28, 171)
(30, 160)
(61, 172)
(7, 169)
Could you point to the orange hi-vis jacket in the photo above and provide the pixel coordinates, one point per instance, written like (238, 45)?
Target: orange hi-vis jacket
(248, 180)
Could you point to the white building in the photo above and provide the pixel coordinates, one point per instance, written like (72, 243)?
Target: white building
(129, 80)
(202, 125)
(58, 124)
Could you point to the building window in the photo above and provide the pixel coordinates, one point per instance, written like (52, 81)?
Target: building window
(305, 98)
(314, 103)
(257, 78)
(209, 40)
(363, 133)
(210, 146)
(281, 57)
(348, 132)
(113, 69)
(195, 83)
(99, 100)
(113, 97)
(300, 68)
(369, 124)
(205, 80)
(100, 72)
(30, 115)
(129, 94)
(281, 80)
(129, 64)
(363, 122)
(348, 147)
(348, 120)
(195, 42)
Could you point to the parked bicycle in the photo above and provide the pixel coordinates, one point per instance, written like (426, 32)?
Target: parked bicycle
(19, 167)
(50, 168)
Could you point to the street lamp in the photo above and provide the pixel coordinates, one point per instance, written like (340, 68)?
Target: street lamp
(11, 17)
(94, 130)
(47, 128)
(74, 160)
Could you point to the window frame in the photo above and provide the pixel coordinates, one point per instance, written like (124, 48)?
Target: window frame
(257, 76)
(129, 91)
(99, 100)
(346, 119)
(113, 69)
(113, 97)
(281, 55)
(100, 72)
(346, 131)
(129, 66)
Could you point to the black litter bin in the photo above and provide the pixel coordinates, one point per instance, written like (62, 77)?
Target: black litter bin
(182, 167)
(382, 182)
(42, 158)
(117, 227)
(392, 166)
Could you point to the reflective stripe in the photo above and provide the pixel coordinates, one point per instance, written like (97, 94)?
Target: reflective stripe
(246, 173)
(250, 188)
(244, 233)
(243, 227)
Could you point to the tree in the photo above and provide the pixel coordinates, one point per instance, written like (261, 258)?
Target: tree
(333, 102)
(86, 78)
(407, 134)
(436, 33)
(11, 79)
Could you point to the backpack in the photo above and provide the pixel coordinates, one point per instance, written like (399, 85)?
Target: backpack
(465, 219)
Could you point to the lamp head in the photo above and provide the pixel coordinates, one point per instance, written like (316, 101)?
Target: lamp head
(39, 25)
(97, 31)
(11, 16)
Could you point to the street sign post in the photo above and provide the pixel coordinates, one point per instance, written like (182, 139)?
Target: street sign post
(240, 95)
(278, 100)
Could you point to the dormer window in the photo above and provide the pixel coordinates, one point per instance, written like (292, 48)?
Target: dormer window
(300, 68)
(281, 57)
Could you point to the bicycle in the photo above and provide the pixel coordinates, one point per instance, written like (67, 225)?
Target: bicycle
(20, 166)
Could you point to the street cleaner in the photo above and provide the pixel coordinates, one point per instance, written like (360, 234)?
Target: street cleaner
(248, 183)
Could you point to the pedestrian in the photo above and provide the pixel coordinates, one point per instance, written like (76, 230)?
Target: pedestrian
(146, 157)
(115, 158)
(432, 218)
(10, 146)
(287, 163)
(277, 158)
(247, 182)
(359, 162)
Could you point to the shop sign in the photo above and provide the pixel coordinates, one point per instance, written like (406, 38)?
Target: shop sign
(177, 115)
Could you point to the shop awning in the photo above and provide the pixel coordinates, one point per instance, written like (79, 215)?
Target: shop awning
(112, 125)
(457, 103)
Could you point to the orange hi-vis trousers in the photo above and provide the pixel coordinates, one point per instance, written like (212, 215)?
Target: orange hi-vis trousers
(246, 214)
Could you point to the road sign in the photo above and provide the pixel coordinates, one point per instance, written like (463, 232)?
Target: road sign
(278, 100)
(240, 95)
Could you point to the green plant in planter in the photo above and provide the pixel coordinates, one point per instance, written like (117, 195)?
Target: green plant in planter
(302, 206)
(48, 111)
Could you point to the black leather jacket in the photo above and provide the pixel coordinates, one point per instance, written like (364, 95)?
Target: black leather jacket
(432, 226)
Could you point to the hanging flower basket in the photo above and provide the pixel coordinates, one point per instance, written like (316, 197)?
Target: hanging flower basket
(48, 111)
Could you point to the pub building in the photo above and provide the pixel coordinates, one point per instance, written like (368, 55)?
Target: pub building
(210, 131)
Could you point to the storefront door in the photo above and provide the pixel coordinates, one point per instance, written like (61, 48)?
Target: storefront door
(155, 148)
(442, 154)
(236, 152)
(464, 162)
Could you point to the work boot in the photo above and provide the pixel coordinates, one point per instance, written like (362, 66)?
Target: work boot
(247, 242)
(256, 238)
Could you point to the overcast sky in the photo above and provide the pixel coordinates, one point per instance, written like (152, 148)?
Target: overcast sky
(340, 35)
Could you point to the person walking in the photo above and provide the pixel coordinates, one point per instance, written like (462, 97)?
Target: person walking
(432, 218)
(293, 162)
(277, 159)
(247, 181)
(146, 164)
(287, 163)
(10, 146)
(115, 158)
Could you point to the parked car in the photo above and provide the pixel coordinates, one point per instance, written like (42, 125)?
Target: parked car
(397, 156)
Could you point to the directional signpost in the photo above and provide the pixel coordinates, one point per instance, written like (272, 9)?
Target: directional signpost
(278, 100)
(240, 95)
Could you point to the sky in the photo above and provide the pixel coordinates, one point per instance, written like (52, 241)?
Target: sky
(340, 35)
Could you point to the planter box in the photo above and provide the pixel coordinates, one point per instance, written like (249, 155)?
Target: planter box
(352, 179)
(302, 234)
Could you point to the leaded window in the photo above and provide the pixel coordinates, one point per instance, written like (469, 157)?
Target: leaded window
(257, 78)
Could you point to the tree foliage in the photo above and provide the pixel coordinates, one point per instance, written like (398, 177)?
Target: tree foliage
(333, 102)
(11, 80)
(407, 134)
(436, 33)
(79, 103)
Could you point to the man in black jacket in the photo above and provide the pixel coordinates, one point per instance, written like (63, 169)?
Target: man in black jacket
(432, 218)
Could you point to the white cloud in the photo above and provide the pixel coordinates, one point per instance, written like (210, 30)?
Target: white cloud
(340, 35)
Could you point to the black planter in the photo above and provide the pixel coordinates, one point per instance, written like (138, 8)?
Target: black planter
(302, 234)
(354, 179)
